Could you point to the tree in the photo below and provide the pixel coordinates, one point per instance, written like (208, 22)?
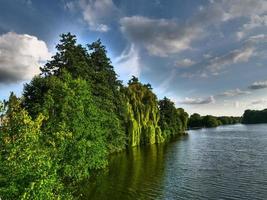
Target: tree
(27, 170)
(92, 65)
(195, 121)
(210, 121)
(172, 121)
(107, 90)
(70, 109)
(70, 56)
(184, 117)
(254, 116)
(143, 114)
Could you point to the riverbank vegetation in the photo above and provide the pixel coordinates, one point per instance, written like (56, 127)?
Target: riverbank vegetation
(254, 116)
(71, 117)
(208, 121)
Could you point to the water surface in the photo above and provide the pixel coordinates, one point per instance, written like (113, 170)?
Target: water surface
(227, 162)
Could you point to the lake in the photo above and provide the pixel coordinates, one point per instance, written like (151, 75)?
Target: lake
(227, 162)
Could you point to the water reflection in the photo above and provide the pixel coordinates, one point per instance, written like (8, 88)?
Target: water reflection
(228, 162)
(133, 174)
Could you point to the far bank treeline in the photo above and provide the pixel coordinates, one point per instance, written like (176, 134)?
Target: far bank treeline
(254, 116)
(208, 121)
(71, 117)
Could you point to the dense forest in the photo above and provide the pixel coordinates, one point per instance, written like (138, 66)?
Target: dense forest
(71, 117)
(254, 116)
(197, 121)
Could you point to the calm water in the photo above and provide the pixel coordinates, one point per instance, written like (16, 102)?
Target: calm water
(228, 162)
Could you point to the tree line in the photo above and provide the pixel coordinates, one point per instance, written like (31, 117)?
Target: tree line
(254, 116)
(71, 117)
(208, 121)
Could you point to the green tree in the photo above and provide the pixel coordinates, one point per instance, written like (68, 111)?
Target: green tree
(143, 114)
(172, 121)
(184, 117)
(210, 121)
(70, 56)
(26, 169)
(254, 116)
(195, 121)
(92, 65)
(70, 109)
(107, 91)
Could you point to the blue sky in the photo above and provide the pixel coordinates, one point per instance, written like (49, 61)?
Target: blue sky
(208, 56)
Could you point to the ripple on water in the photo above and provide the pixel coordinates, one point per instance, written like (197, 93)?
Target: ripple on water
(228, 162)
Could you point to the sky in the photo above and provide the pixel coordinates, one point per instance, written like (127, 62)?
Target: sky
(208, 56)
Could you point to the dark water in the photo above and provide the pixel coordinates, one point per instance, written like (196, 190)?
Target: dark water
(228, 162)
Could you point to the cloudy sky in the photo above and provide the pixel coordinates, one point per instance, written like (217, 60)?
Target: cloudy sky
(208, 56)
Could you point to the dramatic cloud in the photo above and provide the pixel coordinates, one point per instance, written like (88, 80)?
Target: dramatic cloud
(127, 64)
(162, 37)
(198, 101)
(258, 85)
(97, 13)
(159, 36)
(185, 63)
(20, 56)
(235, 92)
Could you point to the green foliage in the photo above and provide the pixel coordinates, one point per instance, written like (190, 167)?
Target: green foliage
(229, 120)
(71, 117)
(27, 170)
(2, 111)
(33, 94)
(143, 114)
(172, 121)
(1, 107)
(70, 57)
(92, 65)
(106, 89)
(210, 121)
(70, 108)
(254, 116)
(196, 121)
(183, 117)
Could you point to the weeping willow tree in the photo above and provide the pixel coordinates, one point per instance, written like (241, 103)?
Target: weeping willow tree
(143, 114)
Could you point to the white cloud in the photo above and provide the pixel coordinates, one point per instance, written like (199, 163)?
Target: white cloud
(241, 8)
(256, 21)
(249, 49)
(127, 64)
(235, 92)
(259, 102)
(236, 56)
(20, 56)
(258, 85)
(207, 55)
(185, 63)
(262, 38)
(215, 65)
(198, 101)
(97, 13)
